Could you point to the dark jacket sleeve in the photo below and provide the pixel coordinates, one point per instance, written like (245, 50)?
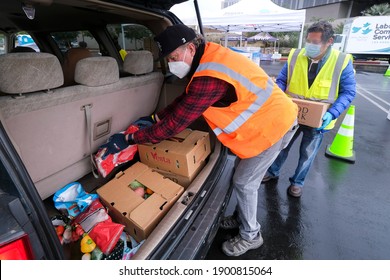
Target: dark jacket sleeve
(347, 91)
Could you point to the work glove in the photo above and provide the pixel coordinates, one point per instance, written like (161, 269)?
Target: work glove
(326, 119)
(116, 143)
(145, 121)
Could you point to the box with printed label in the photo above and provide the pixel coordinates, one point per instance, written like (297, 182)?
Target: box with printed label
(181, 154)
(310, 113)
(139, 198)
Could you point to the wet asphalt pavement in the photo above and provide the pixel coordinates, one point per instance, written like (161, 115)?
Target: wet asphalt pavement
(344, 211)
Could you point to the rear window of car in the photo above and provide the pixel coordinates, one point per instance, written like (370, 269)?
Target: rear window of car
(131, 37)
(20, 42)
(76, 39)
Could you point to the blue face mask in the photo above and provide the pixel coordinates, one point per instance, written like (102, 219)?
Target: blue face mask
(312, 50)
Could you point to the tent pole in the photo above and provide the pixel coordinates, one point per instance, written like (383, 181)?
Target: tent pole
(301, 36)
(198, 17)
(226, 37)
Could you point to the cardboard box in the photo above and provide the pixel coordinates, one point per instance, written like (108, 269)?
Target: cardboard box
(310, 113)
(140, 216)
(183, 181)
(181, 154)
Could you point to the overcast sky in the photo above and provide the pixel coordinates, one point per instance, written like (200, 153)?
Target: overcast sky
(186, 12)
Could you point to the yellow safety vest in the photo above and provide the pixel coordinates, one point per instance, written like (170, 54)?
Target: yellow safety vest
(325, 87)
(262, 113)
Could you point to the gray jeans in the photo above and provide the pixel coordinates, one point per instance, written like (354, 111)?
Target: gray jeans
(246, 182)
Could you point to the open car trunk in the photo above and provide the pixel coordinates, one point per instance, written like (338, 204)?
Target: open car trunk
(184, 230)
(188, 228)
(50, 128)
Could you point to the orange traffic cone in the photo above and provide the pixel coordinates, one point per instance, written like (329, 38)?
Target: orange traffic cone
(342, 145)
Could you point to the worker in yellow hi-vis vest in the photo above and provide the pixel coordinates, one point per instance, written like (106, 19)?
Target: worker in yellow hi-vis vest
(318, 73)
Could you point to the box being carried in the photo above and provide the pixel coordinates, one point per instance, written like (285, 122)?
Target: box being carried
(139, 212)
(181, 154)
(310, 113)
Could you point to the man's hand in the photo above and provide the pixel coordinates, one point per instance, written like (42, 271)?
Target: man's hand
(326, 119)
(116, 143)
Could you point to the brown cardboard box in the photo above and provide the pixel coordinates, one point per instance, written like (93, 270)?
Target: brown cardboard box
(181, 154)
(183, 181)
(310, 112)
(140, 216)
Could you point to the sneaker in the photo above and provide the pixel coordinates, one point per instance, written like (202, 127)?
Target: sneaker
(294, 191)
(268, 178)
(238, 246)
(230, 222)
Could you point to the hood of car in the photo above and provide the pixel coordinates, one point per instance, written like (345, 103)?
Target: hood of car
(155, 4)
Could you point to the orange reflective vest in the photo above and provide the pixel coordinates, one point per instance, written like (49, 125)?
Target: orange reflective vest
(262, 113)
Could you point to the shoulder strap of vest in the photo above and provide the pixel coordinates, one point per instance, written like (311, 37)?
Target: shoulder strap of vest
(291, 66)
(335, 77)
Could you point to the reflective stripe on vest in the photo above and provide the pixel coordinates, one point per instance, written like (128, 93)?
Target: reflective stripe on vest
(292, 64)
(335, 79)
(262, 95)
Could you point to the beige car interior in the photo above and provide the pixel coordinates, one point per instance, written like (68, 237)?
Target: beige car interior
(47, 122)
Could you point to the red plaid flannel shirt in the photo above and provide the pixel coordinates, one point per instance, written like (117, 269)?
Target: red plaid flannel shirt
(203, 92)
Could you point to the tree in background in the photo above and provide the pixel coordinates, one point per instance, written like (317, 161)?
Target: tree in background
(338, 29)
(132, 32)
(377, 10)
(287, 39)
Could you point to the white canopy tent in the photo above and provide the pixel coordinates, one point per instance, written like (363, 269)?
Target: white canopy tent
(253, 16)
(263, 36)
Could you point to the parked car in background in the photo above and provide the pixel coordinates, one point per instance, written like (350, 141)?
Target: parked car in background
(45, 140)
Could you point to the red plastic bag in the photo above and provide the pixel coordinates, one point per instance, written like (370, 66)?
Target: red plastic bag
(106, 234)
(94, 214)
(105, 166)
(99, 226)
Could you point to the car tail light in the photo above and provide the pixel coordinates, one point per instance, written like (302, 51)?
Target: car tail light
(19, 249)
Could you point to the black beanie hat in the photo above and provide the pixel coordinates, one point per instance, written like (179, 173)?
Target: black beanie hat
(173, 37)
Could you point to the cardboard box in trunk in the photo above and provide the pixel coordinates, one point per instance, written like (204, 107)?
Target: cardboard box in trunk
(310, 113)
(140, 216)
(183, 181)
(181, 154)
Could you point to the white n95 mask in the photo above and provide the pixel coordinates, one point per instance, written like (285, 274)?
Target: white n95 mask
(179, 68)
